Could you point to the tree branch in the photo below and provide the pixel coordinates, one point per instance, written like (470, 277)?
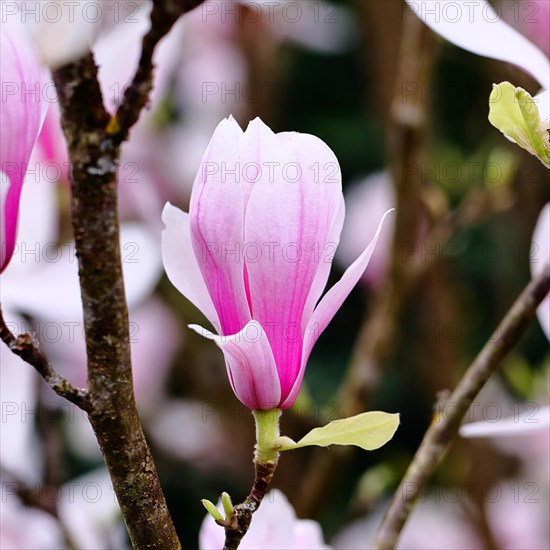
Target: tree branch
(444, 428)
(94, 157)
(28, 349)
(164, 15)
(94, 139)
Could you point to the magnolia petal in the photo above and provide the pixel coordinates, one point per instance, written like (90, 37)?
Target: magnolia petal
(476, 27)
(301, 197)
(329, 305)
(265, 531)
(250, 365)
(38, 213)
(216, 216)
(374, 194)
(181, 264)
(21, 113)
(258, 146)
(523, 424)
(325, 264)
(541, 249)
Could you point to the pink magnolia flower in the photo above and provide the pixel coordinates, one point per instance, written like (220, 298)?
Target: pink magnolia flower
(21, 111)
(254, 254)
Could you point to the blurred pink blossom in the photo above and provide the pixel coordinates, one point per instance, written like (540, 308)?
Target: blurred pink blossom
(245, 296)
(532, 18)
(274, 527)
(42, 283)
(477, 28)
(63, 31)
(25, 528)
(431, 526)
(366, 202)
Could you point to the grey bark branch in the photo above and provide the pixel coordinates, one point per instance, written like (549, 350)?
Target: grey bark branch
(94, 159)
(443, 430)
(94, 138)
(28, 349)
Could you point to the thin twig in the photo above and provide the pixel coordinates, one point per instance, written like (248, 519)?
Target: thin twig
(164, 15)
(28, 349)
(239, 522)
(444, 428)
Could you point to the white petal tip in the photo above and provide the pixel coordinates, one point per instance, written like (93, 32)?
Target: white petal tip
(202, 331)
(168, 212)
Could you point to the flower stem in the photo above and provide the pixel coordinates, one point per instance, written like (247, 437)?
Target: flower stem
(265, 463)
(267, 430)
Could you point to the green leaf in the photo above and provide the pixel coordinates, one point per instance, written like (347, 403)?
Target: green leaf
(515, 113)
(212, 510)
(368, 430)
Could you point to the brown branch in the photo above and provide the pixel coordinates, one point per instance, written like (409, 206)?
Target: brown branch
(94, 139)
(28, 349)
(444, 428)
(94, 158)
(164, 15)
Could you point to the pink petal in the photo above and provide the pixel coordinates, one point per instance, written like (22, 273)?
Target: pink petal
(329, 305)
(321, 277)
(181, 264)
(216, 216)
(250, 365)
(291, 211)
(21, 114)
(476, 27)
